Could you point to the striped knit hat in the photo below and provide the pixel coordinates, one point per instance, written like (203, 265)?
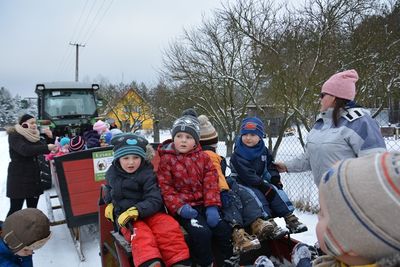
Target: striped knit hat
(77, 143)
(208, 134)
(362, 196)
(128, 144)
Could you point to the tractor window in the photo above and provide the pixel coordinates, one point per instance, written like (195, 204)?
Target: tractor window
(61, 103)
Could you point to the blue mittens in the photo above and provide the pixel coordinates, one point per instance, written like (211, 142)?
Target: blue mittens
(212, 216)
(187, 212)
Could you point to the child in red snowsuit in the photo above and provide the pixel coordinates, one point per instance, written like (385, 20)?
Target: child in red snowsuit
(136, 204)
(189, 185)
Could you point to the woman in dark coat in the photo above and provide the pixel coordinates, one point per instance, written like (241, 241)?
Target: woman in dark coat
(23, 179)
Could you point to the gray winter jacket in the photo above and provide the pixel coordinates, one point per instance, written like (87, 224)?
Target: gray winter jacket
(357, 134)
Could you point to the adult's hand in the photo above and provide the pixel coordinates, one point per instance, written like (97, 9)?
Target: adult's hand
(281, 167)
(51, 147)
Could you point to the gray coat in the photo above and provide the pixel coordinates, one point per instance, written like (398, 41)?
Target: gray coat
(357, 134)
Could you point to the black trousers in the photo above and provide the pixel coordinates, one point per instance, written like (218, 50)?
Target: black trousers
(201, 237)
(17, 203)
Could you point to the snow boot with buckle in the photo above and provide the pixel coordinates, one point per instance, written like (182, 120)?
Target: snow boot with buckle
(262, 229)
(243, 242)
(294, 225)
(278, 232)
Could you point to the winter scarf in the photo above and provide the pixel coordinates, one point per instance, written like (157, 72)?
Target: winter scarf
(249, 153)
(32, 135)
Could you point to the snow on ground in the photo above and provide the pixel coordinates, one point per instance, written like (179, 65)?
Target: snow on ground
(60, 251)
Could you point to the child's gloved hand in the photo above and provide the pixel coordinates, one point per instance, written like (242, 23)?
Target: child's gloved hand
(268, 190)
(212, 216)
(130, 214)
(108, 212)
(226, 198)
(187, 212)
(301, 252)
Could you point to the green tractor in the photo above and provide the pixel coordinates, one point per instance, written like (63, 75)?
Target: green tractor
(68, 109)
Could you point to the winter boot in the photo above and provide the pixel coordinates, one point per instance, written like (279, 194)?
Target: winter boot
(233, 261)
(262, 229)
(294, 225)
(278, 232)
(243, 242)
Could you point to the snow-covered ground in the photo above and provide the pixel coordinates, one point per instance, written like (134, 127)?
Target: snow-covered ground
(60, 251)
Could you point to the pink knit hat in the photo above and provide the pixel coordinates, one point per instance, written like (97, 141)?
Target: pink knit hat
(342, 84)
(100, 126)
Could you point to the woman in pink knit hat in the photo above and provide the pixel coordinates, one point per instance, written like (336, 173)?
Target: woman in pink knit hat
(342, 129)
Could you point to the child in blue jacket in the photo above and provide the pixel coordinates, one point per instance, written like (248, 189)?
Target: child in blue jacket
(252, 166)
(21, 233)
(239, 205)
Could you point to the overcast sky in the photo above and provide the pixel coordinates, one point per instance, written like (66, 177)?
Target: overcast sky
(124, 39)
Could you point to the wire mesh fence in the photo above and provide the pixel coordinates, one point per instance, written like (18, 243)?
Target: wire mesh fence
(300, 187)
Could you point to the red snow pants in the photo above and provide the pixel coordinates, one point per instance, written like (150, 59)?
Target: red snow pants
(158, 236)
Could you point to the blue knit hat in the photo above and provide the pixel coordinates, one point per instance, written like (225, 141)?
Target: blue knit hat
(252, 125)
(129, 144)
(64, 141)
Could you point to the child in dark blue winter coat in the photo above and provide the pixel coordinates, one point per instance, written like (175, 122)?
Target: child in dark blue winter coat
(252, 166)
(239, 205)
(21, 233)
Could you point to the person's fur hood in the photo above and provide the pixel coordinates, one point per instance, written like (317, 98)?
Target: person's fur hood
(10, 129)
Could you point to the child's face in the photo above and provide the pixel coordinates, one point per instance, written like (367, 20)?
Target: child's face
(24, 252)
(184, 142)
(250, 139)
(31, 124)
(130, 163)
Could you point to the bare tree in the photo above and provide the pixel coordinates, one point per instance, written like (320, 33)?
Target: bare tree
(298, 50)
(214, 64)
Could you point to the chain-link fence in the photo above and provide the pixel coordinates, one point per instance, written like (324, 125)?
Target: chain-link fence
(300, 186)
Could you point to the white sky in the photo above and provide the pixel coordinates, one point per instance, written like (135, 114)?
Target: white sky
(124, 39)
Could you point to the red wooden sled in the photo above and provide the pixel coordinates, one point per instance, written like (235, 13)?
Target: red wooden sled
(77, 190)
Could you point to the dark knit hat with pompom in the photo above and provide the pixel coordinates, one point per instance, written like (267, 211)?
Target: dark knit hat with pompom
(188, 123)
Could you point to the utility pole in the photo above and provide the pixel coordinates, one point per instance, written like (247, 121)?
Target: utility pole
(77, 60)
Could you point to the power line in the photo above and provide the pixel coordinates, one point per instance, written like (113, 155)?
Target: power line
(99, 21)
